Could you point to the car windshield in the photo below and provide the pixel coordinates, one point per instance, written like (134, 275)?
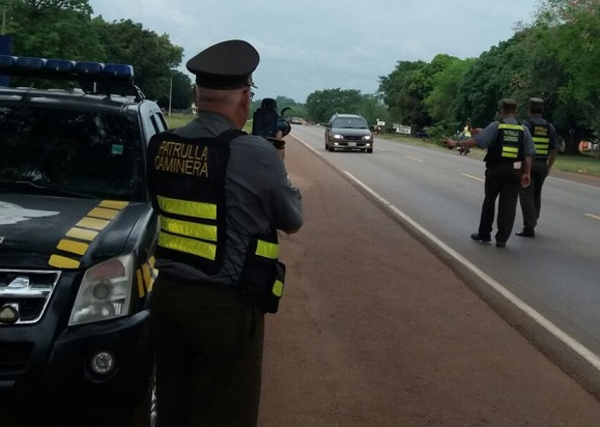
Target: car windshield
(350, 123)
(85, 153)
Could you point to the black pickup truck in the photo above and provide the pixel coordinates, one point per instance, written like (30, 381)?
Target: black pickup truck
(77, 237)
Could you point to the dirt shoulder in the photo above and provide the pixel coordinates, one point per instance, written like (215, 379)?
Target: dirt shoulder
(375, 330)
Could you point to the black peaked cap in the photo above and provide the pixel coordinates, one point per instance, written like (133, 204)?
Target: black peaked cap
(225, 65)
(536, 103)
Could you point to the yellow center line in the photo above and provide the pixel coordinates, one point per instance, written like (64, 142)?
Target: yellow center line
(593, 216)
(473, 177)
(415, 159)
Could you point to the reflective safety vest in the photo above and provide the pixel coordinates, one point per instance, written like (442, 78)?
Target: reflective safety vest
(541, 138)
(186, 179)
(508, 147)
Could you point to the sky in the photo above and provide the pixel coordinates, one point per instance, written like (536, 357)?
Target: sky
(312, 45)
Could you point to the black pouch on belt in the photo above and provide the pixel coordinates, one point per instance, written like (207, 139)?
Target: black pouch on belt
(263, 278)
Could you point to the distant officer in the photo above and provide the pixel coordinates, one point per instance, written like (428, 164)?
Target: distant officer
(510, 151)
(221, 195)
(546, 149)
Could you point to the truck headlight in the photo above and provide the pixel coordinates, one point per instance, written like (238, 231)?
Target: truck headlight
(337, 136)
(105, 291)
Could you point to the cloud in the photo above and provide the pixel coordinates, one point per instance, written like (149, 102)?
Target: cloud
(314, 45)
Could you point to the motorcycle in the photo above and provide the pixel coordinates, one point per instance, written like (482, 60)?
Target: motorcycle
(462, 149)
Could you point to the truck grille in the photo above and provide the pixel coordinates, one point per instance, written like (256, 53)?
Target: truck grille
(27, 292)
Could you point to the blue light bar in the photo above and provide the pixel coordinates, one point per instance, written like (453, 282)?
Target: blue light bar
(60, 65)
(119, 70)
(89, 68)
(107, 78)
(30, 63)
(7, 61)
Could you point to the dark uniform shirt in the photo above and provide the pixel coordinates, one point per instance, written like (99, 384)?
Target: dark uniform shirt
(488, 136)
(258, 197)
(538, 120)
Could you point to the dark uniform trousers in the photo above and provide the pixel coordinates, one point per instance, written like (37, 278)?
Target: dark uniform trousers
(531, 197)
(502, 182)
(208, 349)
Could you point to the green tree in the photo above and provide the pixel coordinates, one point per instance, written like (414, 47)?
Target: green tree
(181, 88)
(53, 29)
(441, 103)
(322, 104)
(151, 55)
(395, 86)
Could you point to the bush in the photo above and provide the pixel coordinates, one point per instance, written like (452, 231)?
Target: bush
(443, 130)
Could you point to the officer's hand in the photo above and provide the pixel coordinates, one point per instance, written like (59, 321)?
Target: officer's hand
(525, 180)
(281, 149)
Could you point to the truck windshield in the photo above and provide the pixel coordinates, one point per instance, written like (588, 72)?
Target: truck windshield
(351, 123)
(91, 153)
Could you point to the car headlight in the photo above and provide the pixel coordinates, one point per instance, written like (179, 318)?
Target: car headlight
(336, 136)
(105, 291)
(368, 137)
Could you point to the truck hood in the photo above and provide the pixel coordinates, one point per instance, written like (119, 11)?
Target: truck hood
(63, 233)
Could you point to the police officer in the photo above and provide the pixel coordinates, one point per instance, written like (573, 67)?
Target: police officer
(221, 195)
(508, 166)
(546, 149)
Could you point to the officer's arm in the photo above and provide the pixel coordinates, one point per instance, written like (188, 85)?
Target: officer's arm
(481, 138)
(285, 200)
(529, 149)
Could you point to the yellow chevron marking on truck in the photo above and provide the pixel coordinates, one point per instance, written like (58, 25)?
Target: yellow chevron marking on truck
(86, 230)
(140, 283)
(113, 204)
(63, 262)
(96, 224)
(103, 213)
(72, 246)
(82, 234)
(148, 281)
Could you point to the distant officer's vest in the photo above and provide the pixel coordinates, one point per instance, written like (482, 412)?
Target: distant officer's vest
(508, 147)
(186, 178)
(541, 138)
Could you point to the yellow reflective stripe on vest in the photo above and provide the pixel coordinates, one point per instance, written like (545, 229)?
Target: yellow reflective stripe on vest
(510, 152)
(188, 208)
(541, 145)
(511, 127)
(190, 246)
(278, 288)
(267, 249)
(189, 229)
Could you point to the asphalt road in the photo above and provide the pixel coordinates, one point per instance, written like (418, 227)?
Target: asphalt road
(375, 329)
(553, 278)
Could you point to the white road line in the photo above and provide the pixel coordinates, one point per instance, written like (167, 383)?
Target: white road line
(473, 177)
(593, 216)
(576, 183)
(574, 345)
(306, 145)
(415, 159)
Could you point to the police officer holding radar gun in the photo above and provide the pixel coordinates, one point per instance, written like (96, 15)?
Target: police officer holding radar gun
(508, 167)
(546, 149)
(222, 195)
